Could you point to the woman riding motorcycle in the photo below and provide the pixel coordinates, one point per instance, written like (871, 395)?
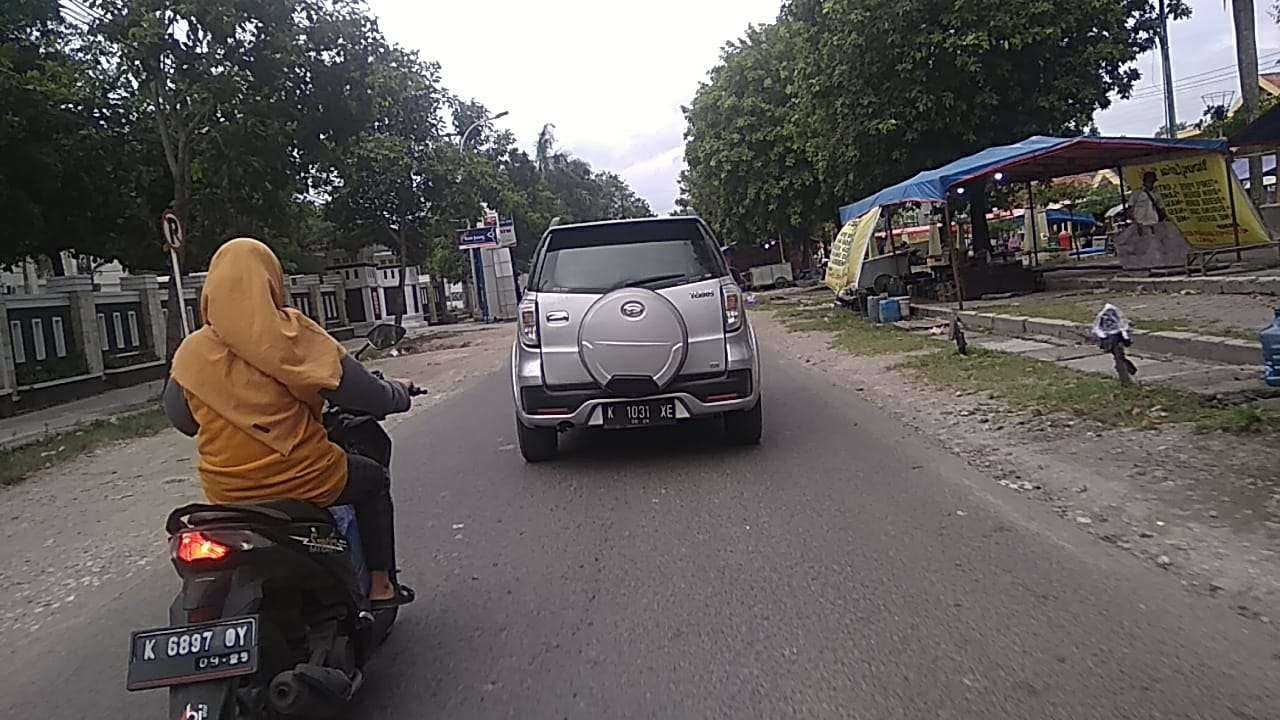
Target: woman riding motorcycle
(250, 386)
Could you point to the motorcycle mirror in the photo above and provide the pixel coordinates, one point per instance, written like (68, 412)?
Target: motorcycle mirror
(385, 335)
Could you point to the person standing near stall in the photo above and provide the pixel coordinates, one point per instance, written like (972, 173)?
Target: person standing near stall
(1145, 208)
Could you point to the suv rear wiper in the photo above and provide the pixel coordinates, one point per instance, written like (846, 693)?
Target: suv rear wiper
(646, 280)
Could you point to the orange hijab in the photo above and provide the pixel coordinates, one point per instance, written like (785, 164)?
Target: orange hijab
(258, 364)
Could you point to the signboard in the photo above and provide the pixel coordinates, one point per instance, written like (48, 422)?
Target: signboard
(481, 237)
(849, 250)
(507, 233)
(1195, 195)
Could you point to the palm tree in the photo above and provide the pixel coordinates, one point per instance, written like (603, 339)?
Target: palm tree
(546, 149)
(1247, 63)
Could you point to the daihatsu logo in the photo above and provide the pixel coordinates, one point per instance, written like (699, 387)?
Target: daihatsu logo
(632, 309)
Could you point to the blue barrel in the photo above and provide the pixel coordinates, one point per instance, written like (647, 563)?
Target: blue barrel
(1270, 337)
(890, 311)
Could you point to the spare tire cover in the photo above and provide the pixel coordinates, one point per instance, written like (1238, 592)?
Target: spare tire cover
(633, 332)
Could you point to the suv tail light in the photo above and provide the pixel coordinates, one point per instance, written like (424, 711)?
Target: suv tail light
(529, 323)
(195, 546)
(731, 299)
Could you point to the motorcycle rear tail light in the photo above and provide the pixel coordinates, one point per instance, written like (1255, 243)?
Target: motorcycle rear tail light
(195, 546)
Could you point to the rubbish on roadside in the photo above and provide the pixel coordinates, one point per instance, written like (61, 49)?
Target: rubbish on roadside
(1270, 338)
(1111, 328)
(1164, 561)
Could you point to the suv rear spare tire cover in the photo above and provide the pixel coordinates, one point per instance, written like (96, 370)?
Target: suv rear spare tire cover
(633, 333)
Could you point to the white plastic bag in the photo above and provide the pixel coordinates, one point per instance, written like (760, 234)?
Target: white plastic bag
(1110, 321)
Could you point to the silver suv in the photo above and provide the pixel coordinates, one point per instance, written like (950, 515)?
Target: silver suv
(632, 323)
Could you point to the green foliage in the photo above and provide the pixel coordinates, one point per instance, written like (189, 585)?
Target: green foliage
(748, 174)
(1044, 388)
(62, 140)
(841, 97)
(853, 333)
(294, 121)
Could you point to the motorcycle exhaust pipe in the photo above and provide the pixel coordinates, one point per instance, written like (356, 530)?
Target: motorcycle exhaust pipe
(312, 691)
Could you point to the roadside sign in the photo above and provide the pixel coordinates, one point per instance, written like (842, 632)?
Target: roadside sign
(507, 233)
(481, 237)
(172, 229)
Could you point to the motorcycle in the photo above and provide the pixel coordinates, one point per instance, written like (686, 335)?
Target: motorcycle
(273, 618)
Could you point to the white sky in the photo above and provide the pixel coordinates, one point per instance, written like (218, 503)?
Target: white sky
(612, 76)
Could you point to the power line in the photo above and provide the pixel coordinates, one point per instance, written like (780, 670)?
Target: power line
(1202, 79)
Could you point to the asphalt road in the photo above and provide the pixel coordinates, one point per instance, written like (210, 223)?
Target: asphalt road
(844, 569)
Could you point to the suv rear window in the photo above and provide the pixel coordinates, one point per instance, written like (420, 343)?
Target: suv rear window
(600, 258)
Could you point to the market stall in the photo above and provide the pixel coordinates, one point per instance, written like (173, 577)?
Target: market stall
(1201, 200)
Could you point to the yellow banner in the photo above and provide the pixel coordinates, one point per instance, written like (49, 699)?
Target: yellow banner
(1194, 193)
(848, 251)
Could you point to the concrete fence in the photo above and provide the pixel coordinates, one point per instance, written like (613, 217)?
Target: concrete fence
(70, 340)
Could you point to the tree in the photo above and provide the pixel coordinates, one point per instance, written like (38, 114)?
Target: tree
(1164, 131)
(240, 99)
(400, 183)
(747, 174)
(889, 87)
(71, 177)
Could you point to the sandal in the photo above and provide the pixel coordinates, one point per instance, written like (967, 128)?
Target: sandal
(404, 595)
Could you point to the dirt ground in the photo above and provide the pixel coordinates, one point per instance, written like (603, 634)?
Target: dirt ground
(1239, 313)
(1206, 507)
(77, 533)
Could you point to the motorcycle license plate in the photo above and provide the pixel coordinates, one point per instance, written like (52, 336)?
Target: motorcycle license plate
(640, 413)
(176, 656)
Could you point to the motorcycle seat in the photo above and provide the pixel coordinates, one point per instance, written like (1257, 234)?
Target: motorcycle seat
(271, 512)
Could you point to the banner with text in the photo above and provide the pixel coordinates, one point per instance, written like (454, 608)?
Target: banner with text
(848, 251)
(1195, 195)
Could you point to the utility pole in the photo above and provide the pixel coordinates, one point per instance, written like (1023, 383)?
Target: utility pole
(1247, 63)
(1170, 115)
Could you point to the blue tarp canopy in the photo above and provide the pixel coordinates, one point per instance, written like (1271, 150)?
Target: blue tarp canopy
(1036, 158)
(1067, 216)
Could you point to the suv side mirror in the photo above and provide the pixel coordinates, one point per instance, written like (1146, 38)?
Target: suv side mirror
(385, 335)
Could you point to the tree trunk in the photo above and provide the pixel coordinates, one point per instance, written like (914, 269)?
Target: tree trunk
(981, 240)
(55, 263)
(175, 140)
(1247, 62)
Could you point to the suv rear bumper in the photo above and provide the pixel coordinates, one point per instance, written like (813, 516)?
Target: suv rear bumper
(580, 406)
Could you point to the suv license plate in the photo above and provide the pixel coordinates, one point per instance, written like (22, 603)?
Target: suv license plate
(176, 656)
(641, 413)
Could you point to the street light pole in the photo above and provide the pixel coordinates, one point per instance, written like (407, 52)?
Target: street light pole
(1170, 115)
(471, 254)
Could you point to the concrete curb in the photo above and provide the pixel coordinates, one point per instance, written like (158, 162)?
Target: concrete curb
(1225, 285)
(1190, 345)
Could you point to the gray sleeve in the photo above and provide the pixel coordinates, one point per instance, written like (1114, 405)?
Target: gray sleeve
(175, 407)
(362, 391)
